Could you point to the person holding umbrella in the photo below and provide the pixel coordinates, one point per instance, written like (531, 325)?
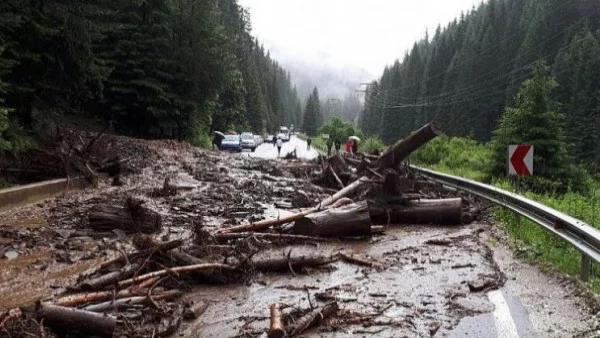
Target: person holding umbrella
(355, 141)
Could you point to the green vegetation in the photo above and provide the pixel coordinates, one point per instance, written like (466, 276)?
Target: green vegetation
(312, 114)
(465, 74)
(533, 121)
(468, 158)
(157, 69)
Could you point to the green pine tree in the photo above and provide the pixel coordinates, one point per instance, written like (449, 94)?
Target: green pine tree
(534, 121)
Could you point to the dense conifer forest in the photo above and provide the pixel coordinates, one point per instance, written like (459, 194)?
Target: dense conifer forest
(148, 68)
(465, 74)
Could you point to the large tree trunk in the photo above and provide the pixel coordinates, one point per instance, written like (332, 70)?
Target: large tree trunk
(131, 218)
(399, 151)
(350, 220)
(440, 211)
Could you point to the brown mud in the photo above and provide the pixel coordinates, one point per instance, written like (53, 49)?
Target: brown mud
(426, 278)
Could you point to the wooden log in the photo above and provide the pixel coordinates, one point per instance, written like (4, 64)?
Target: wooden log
(175, 271)
(313, 318)
(268, 236)
(264, 224)
(399, 151)
(349, 189)
(162, 247)
(288, 261)
(338, 163)
(348, 221)
(126, 302)
(359, 261)
(391, 184)
(276, 328)
(110, 278)
(439, 211)
(335, 177)
(131, 218)
(91, 297)
(145, 242)
(64, 319)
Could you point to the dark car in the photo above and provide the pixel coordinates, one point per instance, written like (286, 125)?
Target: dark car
(232, 142)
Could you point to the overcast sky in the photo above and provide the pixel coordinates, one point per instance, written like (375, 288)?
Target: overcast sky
(360, 33)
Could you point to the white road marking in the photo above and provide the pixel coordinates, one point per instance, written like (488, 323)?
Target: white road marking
(505, 326)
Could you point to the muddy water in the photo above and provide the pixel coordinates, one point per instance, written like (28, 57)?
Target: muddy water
(421, 287)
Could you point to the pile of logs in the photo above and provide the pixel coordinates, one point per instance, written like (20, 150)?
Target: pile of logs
(373, 191)
(389, 191)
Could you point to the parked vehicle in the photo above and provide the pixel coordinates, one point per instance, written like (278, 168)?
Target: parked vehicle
(284, 133)
(248, 141)
(259, 140)
(232, 143)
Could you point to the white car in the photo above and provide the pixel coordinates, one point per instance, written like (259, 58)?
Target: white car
(248, 141)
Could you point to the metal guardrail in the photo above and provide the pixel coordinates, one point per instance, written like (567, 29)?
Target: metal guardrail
(579, 234)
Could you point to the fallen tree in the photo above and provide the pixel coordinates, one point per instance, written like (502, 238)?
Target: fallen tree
(423, 211)
(399, 151)
(329, 201)
(348, 221)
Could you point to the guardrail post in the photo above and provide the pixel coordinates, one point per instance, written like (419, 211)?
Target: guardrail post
(586, 267)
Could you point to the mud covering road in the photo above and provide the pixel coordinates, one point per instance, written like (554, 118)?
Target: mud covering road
(428, 281)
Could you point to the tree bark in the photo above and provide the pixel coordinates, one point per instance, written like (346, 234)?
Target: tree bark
(288, 261)
(110, 278)
(130, 218)
(64, 319)
(338, 163)
(276, 329)
(264, 224)
(440, 211)
(348, 221)
(399, 151)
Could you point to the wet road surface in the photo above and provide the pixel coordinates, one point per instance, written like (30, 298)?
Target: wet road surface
(269, 151)
(424, 291)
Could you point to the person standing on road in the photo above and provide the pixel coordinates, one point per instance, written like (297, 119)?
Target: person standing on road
(279, 144)
(349, 146)
(274, 140)
(329, 145)
(308, 142)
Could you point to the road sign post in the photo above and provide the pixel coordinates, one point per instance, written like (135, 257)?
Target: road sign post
(520, 160)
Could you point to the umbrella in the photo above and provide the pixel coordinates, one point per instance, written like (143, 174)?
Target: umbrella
(354, 138)
(219, 133)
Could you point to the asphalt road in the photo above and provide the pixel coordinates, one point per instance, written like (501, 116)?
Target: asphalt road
(269, 151)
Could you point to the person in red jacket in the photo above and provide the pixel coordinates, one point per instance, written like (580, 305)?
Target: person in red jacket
(349, 146)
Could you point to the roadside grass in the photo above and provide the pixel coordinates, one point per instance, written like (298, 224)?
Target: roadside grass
(467, 158)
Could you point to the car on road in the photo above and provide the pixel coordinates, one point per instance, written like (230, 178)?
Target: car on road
(232, 143)
(248, 141)
(284, 134)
